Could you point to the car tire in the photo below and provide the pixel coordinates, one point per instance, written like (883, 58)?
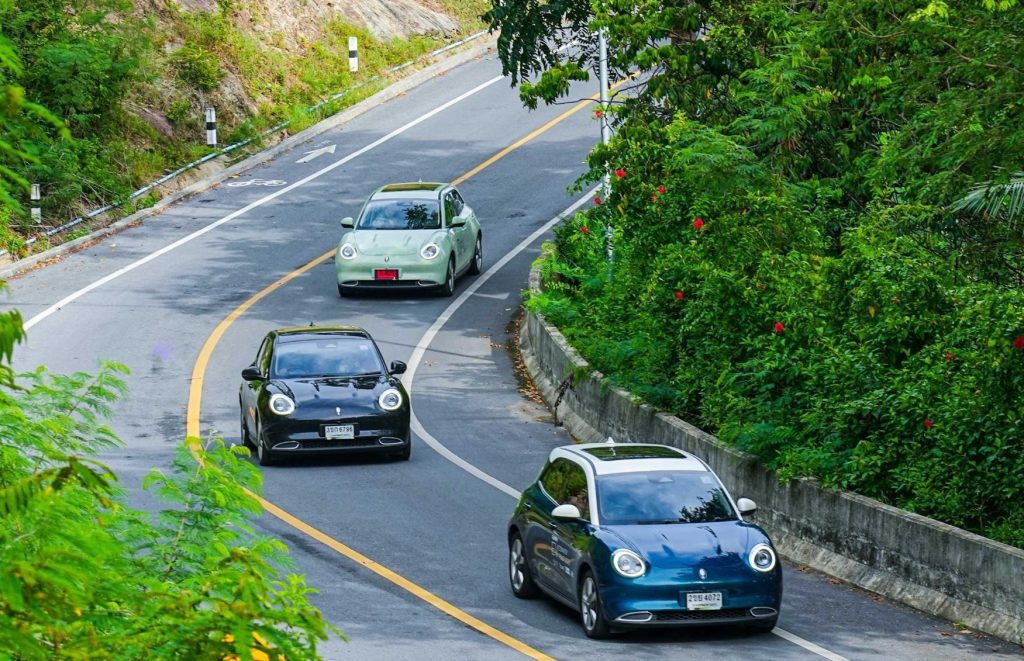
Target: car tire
(343, 291)
(244, 431)
(476, 266)
(448, 288)
(591, 611)
(763, 627)
(263, 455)
(519, 577)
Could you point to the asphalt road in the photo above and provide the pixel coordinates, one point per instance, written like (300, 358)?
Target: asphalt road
(430, 520)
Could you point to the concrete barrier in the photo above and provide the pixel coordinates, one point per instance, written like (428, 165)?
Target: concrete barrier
(932, 566)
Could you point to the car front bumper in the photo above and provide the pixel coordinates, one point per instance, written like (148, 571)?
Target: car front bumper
(413, 272)
(659, 599)
(378, 433)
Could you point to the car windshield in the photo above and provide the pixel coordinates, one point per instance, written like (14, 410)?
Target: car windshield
(401, 215)
(325, 357)
(652, 497)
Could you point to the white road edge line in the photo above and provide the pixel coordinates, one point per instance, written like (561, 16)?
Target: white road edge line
(428, 337)
(235, 214)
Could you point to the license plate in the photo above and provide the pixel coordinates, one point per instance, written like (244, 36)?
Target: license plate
(386, 274)
(339, 431)
(703, 601)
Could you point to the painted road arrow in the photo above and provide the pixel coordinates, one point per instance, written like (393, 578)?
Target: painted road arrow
(310, 155)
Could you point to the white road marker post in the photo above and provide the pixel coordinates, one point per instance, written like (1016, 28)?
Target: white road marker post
(37, 211)
(211, 127)
(353, 54)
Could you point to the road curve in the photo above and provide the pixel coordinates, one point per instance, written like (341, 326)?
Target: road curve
(167, 285)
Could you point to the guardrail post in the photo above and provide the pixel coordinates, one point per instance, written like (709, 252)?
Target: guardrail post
(211, 127)
(37, 211)
(353, 54)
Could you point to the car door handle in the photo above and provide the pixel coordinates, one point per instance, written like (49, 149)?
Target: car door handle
(527, 506)
(553, 525)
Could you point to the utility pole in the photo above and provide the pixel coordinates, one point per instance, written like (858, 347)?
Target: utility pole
(606, 134)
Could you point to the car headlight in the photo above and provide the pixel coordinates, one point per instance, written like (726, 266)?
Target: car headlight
(762, 558)
(390, 400)
(347, 251)
(627, 563)
(430, 251)
(282, 404)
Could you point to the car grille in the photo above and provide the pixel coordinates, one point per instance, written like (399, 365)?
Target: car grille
(693, 616)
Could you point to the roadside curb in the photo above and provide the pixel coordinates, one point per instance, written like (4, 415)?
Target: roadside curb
(929, 565)
(399, 87)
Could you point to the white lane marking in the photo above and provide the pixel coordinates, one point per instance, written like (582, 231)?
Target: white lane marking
(310, 155)
(270, 183)
(235, 214)
(437, 446)
(807, 645)
(428, 337)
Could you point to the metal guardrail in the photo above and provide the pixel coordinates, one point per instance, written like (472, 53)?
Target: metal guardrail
(220, 152)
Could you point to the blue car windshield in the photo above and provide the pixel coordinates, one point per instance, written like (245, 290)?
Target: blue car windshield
(654, 497)
(325, 357)
(401, 215)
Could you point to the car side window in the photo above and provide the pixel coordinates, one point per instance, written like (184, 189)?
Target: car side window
(459, 203)
(263, 357)
(566, 482)
(449, 207)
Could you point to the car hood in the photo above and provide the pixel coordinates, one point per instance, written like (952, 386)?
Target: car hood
(390, 242)
(680, 545)
(319, 397)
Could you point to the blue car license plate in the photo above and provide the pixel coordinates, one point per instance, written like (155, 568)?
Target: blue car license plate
(703, 601)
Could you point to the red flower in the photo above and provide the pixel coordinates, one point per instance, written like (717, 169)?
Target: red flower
(679, 295)
(698, 224)
(949, 356)
(928, 424)
(585, 230)
(1018, 343)
(654, 196)
(779, 328)
(620, 173)
(597, 200)
(598, 114)
(661, 189)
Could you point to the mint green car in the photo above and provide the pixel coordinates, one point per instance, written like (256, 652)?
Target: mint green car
(413, 236)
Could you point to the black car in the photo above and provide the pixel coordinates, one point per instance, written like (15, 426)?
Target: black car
(323, 389)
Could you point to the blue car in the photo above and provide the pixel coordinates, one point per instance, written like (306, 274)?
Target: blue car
(638, 535)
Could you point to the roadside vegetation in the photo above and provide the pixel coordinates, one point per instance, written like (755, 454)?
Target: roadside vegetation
(125, 84)
(818, 215)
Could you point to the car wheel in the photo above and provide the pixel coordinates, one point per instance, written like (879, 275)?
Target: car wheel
(244, 429)
(404, 453)
(476, 267)
(343, 291)
(591, 611)
(263, 455)
(448, 288)
(519, 569)
(763, 627)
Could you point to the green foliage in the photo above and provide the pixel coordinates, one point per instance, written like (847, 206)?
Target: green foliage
(197, 67)
(850, 304)
(82, 576)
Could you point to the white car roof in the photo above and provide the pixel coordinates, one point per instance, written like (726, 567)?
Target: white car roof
(610, 458)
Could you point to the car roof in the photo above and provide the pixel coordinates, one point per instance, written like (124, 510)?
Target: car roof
(609, 458)
(416, 190)
(294, 333)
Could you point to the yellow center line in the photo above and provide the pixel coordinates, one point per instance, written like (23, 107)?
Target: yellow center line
(195, 396)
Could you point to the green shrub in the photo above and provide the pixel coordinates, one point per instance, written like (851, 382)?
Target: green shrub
(197, 67)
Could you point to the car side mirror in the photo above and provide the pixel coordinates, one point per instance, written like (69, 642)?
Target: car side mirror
(397, 367)
(458, 221)
(252, 373)
(347, 221)
(567, 512)
(746, 506)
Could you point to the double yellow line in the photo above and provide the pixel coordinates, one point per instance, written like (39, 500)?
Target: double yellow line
(195, 395)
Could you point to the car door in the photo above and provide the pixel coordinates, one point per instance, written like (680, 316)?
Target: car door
(454, 207)
(251, 390)
(472, 226)
(553, 541)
